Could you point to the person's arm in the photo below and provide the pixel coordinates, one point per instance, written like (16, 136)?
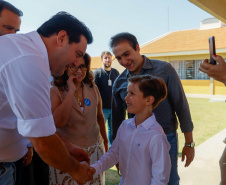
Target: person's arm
(77, 152)
(188, 151)
(100, 120)
(62, 110)
(53, 151)
(118, 109)
(161, 165)
(180, 105)
(31, 105)
(218, 72)
(109, 159)
(96, 78)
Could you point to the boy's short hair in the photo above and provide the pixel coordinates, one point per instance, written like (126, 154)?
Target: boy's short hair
(105, 53)
(151, 86)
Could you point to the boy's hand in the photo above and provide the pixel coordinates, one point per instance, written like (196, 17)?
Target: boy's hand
(91, 171)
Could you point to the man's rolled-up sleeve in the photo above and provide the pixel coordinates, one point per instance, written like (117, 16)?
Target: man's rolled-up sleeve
(36, 127)
(27, 87)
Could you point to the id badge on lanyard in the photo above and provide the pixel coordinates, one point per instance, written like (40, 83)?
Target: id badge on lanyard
(109, 82)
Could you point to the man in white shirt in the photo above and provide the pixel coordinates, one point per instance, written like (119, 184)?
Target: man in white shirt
(25, 109)
(9, 24)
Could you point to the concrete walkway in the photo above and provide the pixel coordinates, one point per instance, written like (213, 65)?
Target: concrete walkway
(204, 170)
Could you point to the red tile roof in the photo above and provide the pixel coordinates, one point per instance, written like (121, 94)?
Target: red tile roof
(186, 40)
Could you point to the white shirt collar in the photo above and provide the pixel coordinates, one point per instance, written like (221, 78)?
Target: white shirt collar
(147, 124)
(38, 42)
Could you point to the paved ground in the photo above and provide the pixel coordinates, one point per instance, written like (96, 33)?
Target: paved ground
(204, 170)
(212, 98)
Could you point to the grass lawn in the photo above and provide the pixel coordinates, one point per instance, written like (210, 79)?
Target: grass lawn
(208, 119)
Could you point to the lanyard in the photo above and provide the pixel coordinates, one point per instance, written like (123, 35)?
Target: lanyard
(107, 74)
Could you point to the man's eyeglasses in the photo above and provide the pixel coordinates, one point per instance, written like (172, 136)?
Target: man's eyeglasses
(83, 67)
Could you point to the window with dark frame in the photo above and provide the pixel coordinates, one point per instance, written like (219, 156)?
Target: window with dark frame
(189, 70)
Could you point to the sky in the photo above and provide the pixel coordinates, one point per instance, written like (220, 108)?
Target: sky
(146, 19)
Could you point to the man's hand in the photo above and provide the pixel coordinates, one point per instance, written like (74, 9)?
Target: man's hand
(83, 174)
(79, 154)
(76, 152)
(28, 157)
(215, 71)
(189, 153)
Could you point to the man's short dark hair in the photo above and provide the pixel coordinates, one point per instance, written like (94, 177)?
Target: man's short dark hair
(151, 86)
(10, 7)
(70, 24)
(124, 36)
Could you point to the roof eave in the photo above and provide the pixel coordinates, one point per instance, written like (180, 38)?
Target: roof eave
(179, 53)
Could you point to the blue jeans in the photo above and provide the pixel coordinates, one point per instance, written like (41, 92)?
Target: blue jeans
(7, 173)
(107, 117)
(173, 140)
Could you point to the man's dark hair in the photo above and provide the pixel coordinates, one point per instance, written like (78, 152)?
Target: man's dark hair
(151, 86)
(10, 7)
(124, 36)
(67, 22)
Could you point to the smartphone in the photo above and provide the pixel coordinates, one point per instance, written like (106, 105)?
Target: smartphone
(212, 50)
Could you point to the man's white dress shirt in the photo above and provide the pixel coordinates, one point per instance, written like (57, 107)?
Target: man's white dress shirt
(25, 107)
(142, 153)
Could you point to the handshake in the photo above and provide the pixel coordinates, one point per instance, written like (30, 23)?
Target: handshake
(84, 173)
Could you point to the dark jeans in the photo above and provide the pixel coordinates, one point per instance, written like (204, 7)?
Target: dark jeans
(19, 166)
(7, 173)
(37, 173)
(107, 117)
(173, 140)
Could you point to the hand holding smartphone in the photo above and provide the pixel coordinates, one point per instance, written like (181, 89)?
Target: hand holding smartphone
(212, 50)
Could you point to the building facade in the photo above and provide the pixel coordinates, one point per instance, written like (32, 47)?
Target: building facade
(185, 50)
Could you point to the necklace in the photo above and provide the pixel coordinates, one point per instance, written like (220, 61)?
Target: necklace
(78, 96)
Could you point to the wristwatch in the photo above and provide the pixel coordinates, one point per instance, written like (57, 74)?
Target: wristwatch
(192, 144)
